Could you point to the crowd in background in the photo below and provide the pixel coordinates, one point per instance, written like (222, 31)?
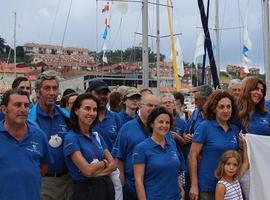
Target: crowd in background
(127, 144)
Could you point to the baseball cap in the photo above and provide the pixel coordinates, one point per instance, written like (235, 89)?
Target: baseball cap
(97, 85)
(131, 91)
(68, 91)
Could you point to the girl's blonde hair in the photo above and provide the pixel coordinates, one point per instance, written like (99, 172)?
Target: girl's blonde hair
(225, 157)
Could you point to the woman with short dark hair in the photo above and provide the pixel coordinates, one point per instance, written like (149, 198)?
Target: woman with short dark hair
(156, 160)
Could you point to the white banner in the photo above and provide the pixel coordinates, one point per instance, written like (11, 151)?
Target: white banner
(259, 164)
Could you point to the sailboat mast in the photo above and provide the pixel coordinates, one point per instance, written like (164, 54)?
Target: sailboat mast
(158, 47)
(15, 17)
(217, 38)
(266, 44)
(208, 44)
(145, 53)
(175, 71)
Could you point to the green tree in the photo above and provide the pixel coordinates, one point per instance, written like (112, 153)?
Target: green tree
(2, 45)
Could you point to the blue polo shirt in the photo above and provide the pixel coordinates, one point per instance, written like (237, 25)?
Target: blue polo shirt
(130, 134)
(179, 126)
(215, 142)
(2, 116)
(108, 128)
(52, 126)
(88, 146)
(195, 119)
(20, 161)
(267, 104)
(259, 124)
(161, 169)
(124, 117)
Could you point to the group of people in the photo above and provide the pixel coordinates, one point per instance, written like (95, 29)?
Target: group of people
(127, 144)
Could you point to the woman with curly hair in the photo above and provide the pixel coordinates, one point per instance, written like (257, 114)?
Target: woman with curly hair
(213, 136)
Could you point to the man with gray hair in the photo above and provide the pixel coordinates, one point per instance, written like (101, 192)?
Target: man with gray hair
(54, 121)
(132, 133)
(235, 87)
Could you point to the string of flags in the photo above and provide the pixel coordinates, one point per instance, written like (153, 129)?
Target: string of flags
(105, 11)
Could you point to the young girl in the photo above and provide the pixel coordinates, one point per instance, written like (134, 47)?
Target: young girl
(229, 171)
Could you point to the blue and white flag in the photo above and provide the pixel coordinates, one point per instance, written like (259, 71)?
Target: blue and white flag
(105, 33)
(247, 46)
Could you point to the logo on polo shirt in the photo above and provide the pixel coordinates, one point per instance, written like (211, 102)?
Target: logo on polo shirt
(234, 139)
(264, 120)
(63, 128)
(34, 147)
(174, 155)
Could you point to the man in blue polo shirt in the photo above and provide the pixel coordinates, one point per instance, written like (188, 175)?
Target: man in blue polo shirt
(54, 122)
(131, 134)
(200, 96)
(108, 123)
(24, 150)
(107, 126)
(131, 103)
(22, 83)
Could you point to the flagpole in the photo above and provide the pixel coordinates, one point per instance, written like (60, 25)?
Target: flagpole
(266, 44)
(158, 48)
(217, 38)
(145, 53)
(15, 73)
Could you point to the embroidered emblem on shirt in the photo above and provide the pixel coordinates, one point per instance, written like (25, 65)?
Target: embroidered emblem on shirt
(55, 141)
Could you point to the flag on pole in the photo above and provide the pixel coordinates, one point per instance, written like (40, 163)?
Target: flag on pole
(105, 33)
(106, 7)
(106, 22)
(179, 57)
(247, 45)
(199, 51)
(104, 57)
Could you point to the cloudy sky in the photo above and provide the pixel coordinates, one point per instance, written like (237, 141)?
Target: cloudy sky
(44, 22)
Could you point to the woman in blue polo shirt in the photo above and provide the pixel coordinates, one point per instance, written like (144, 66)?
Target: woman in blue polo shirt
(252, 115)
(88, 160)
(211, 139)
(156, 160)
